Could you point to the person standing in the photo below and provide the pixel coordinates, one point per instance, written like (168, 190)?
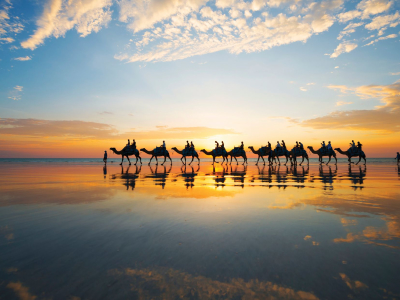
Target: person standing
(105, 157)
(398, 157)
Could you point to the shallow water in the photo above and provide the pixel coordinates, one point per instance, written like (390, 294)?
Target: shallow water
(76, 229)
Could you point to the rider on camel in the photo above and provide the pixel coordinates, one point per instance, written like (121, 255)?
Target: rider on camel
(301, 146)
(133, 146)
(216, 145)
(329, 146)
(283, 144)
(241, 146)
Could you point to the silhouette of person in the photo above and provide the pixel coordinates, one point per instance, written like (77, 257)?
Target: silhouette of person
(398, 157)
(301, 145)
(297, 144)
(129, 143)
(269, 145)
(105, 157)
(187, 145)
(359, 146)
(133, 146)
(283, 144)
(222, 145)
(216, 145)
(323, 145)
(242, 146)
(329, 146)
(278, 145)
(191, 145)
(353, 145)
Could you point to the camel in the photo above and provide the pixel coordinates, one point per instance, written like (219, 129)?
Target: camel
(359, 154)
(238, 152)
(321, 153)
(260, 152)
(155, 153)
(186, 153)
(274, 155)
(299, 152)
(214, 155)
(126, 153)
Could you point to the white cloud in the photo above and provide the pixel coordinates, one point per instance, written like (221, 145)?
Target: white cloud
(373, 7)
(59, 16)
(344, 47)
(349, 15)
(341, 103)
(390, 36)
(397, 73)
(24, 58)
(15, 94)
(8, 24)
(384, 21)
(337, 67)
(349, 29)
(311, 83)
(303, 89)
(187, 33)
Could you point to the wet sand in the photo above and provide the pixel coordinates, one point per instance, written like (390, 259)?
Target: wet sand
(84, 231)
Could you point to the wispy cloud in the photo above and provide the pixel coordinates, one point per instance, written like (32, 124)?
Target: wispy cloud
(303, 89)
(397, 73)
(341, 103)
(84, 130)
(15, 94)
(9, 25)
(390, 36)
(105, 113)
(385, 117)
(344, 47)
(59, 16)
(23, 58)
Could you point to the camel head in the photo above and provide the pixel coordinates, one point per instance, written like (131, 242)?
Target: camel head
(309, 147)
(143, 149)
(113, 149)
(250, 147)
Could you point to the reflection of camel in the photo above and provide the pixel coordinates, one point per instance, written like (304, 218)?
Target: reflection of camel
(160, 177)
(238, 176)
(260, 153)
(294, 153)
(323, 153)
(130, 178)
(214, 155)
(299, 177)
(328, 178)
(155, 154)
(357, 178)
(123, 152)
(237, 152)
(350, 155)
(193, 155)
(189, 176)
(219, 176)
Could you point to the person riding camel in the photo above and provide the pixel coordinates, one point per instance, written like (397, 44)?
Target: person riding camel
(191, 145)
(398, 157)
(241, 146)
(301, 146)
(283, 144)
(216, 145)
(222, 145)
(269, 145)
(329, 146)
(352, 144)
(359, 146)
(323, 146)
(133, 146)
(278, 145)
(187, 145)
(297, 144)
(129, 143)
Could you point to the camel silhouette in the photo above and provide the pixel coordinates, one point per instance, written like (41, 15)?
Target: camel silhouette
(185, 153)
(321, 153)
(215, 154)
(238, 152)
(155, 153)
(261, 152)
(297, 153)
(274, 155)
(349, 154)
(127, 153)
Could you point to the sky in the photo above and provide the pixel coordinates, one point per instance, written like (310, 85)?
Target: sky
(81, 76)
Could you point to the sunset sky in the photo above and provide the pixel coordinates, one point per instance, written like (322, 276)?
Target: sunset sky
(81, 76)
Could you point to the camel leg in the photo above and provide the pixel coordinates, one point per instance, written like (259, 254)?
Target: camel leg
(156, 160)
(359, 159)
(365, 160)
(262, 157)
(302, 160)
(258, 160)
(349, 160)
(213, 160)
(329, 160)
(335, 159)
(165, 158)
(279, 161)
(136, 160)
(151, 159)
(235, 159)
(129, 160)
(286, 161)
(191, 160)
(170, 159)
(122, 160)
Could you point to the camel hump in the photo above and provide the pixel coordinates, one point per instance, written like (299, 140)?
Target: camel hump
(263, 150)
(219, 151)
(189, 152)
(160, 151)
(238, 151)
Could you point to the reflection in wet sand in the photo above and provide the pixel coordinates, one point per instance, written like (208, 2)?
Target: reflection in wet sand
(315, 232)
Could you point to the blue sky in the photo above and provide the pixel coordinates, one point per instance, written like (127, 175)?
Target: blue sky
(300, 68)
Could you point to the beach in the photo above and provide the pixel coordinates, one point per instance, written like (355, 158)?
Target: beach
(75, 229)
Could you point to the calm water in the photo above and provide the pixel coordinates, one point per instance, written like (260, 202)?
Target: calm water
(71, 229)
